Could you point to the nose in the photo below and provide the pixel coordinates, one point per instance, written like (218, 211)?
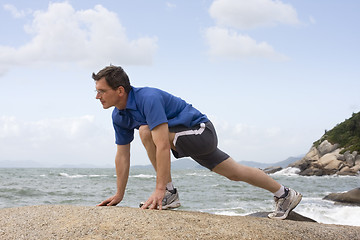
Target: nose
(98, 95)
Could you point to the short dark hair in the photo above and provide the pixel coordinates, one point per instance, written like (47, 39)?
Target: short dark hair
(115, 77)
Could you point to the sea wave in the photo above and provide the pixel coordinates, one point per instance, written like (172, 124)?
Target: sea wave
(199, 174)
(80, 175)
(143, 176)
(200, 190)
(342, 215)
(289, 171)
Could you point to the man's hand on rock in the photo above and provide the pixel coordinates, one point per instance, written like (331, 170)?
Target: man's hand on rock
(111, 201)
(155, 200)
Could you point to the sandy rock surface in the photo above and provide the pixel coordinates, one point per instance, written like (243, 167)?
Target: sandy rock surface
(77, 222)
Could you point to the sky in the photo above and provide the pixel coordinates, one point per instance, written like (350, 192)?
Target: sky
(271, 75)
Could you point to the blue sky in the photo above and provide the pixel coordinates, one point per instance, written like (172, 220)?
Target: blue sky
(271, 75)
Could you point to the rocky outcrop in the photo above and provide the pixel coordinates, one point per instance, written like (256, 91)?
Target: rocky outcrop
(292, 216)
(352, 197)
(327, 159)
(80, 222)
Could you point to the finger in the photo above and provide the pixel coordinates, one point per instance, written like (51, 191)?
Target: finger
(112, 203)
(103, 203)
(145, 205)
(153, 205)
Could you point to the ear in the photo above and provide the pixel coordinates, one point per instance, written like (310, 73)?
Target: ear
(121, 91)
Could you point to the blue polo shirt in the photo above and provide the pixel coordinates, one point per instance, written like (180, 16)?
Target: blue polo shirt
(152, 106)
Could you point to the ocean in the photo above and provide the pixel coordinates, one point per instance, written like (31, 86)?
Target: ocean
(199, 189)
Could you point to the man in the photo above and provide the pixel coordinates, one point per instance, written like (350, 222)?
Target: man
(167, 123)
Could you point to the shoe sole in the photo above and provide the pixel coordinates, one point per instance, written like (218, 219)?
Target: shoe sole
(174, 204)
(292, 206)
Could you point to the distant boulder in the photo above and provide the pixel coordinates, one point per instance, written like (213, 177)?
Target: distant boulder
(270, 170)
(352, 197)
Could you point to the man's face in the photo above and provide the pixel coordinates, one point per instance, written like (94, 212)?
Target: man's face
(107, 96)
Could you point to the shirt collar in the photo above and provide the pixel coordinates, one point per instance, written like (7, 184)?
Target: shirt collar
(131, 104)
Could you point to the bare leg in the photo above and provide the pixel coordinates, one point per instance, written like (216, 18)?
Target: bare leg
(147, 141)
(237, 172)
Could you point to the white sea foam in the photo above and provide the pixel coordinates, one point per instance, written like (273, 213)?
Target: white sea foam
(342, 215)
(71, 176)
(96, 175)
(143, 176)
(290, 171)
(227, 213)
(80, 175)
(199, 174)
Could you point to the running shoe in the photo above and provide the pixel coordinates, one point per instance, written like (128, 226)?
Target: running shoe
(284, 205)
(170, 200)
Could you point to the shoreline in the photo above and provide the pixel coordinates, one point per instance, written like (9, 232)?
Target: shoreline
(81, 222)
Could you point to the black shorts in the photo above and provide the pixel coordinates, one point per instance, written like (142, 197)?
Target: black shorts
(199, 143)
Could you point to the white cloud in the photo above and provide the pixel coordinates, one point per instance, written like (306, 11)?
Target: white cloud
(232, 15)
(8, 127)
(225, 43)
(245, 14)
(80, 140)
(92, 37)
(257, 143)
(55, 141)
(15, 12)
(58, 141)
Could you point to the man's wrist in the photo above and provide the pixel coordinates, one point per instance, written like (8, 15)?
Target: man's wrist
(160, 188)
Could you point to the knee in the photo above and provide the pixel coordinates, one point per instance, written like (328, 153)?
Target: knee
(145, 133)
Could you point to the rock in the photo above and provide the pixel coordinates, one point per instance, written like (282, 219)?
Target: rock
(349, 158)
(341, 157)
(326, 147)
(347, 173)
(352, 196)
(356, 168)
(78, 222)
(327, 158)
(312, 155)
(312, 172)
(301, 164)
(270, 170)
(357, 162)
(292, 216)
(334, 165)
(344, 169)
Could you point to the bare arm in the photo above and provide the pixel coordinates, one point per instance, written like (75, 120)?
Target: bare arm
(122, 166)
(160, 135)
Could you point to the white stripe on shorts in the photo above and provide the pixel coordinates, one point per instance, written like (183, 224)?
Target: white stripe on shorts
(189, 132)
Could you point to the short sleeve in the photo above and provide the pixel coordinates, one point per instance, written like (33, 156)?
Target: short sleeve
(154, 109)
(124, 132)
(123, 136)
